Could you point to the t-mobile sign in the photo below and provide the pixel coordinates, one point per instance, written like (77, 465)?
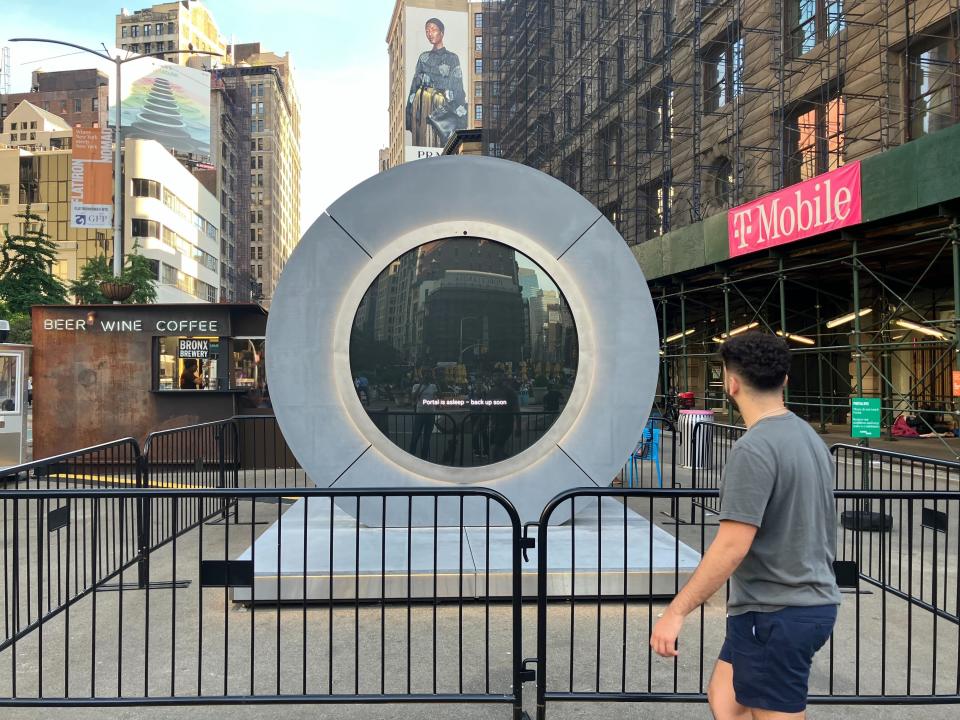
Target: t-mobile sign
(826, 202)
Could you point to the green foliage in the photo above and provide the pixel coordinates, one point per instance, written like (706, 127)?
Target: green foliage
(86, 289)
(21, 329)
(138, 272)
(26, 267)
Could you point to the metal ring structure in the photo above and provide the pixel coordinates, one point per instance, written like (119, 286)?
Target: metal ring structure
(338, 258)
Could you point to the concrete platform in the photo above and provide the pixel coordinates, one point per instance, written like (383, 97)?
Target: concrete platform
(445, 562)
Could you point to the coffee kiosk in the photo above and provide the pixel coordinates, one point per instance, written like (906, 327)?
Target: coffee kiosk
(103, 372)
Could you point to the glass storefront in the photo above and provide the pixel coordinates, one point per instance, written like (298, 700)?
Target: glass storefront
(464, 352)
(188, 363)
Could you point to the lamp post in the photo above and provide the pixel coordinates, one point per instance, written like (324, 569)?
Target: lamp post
(117, 61)
(460, 346)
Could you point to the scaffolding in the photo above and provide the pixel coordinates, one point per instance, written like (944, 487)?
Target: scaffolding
(666, 112)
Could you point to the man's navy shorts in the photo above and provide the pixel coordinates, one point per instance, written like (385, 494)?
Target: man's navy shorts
(771, 654)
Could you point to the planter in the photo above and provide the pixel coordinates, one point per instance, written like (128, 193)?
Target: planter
(116, 291)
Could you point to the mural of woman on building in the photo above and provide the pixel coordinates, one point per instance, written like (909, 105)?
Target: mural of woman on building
(437, 103)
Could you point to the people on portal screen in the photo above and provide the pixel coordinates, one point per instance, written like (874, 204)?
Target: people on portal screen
(436, 104)
(776, 544)
(423, 395)
(506, 415)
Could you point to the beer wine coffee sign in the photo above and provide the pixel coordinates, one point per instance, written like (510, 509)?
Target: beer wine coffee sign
(827, 202)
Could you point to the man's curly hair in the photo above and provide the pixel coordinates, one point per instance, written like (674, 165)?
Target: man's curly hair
(761, 359)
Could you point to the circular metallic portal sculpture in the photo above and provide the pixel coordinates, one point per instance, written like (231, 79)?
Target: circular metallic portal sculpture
(366, 333)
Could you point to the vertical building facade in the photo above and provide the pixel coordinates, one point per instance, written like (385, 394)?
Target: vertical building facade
(274, 163)
(679, 120)
(78, 97)
(170, 27)
(173, 219)
(466, 38)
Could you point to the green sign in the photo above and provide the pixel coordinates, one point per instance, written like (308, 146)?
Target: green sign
(865, 417)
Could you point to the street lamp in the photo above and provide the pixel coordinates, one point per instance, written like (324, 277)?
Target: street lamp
(117, 170)
(460, 346)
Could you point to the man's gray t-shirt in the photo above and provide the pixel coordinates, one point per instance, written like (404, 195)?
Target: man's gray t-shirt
(779, 477)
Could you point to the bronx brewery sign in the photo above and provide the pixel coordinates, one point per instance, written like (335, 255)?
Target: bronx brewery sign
(827, 202)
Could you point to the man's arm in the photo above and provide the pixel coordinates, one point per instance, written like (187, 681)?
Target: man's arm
(724, 555)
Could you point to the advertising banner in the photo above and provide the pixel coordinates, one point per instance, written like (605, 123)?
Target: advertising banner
(437, 43)
(91, 179)
(168, 103)
(827, 202)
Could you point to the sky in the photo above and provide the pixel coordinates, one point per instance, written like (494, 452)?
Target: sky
(339, 55)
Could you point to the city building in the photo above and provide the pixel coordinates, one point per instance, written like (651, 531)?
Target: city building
(41, 178)
(472, 63)
(78, 97)
(671, 117)
(173, 219)
(274, 156)
(229, 181)
(169, 27)
(167, 213)
(33, 128)
(384, 159)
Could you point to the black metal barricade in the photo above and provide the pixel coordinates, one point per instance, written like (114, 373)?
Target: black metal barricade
(713, 443)
(615, 572)
(386, 597)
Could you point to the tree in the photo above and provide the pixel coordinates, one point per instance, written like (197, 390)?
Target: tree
(26, 267)
(138, 271)
(86, 288)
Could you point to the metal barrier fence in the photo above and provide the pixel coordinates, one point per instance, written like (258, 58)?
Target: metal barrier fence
(360, 618)
(908, 549)
(888, 647)
(713, 443)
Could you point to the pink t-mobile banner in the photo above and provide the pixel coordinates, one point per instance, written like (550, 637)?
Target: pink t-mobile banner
(827, 202)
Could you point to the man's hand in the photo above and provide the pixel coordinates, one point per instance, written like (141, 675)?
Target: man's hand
(663, 639)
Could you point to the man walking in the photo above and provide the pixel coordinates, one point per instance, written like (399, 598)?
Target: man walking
(776, 544)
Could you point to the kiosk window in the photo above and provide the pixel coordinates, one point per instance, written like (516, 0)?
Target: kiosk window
(187, 363)
(9, 399)
(250, 372)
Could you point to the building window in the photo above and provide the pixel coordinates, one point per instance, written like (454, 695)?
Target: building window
(656, 197)
(478, 20)
(571, 172)
(123, 31)
(478, 66)
(934, 72)
(171, 28)
(814, 140)
(169, 45)
(260, 252)
(13, 126)
(721, 182)
(812, 21)
(159, 28)
(568, 44)
(723, 71)
(134, 31)
(77, 107)
(259, 108)
(610, 151)
(605, 89)
(645, 23)
(135, 47)
(478, 111)
(614, 214)
(4, 194)
(94, 104)
(658, 106)
(146, 30)
(478, 89)
(145, 228)
(478, 43)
